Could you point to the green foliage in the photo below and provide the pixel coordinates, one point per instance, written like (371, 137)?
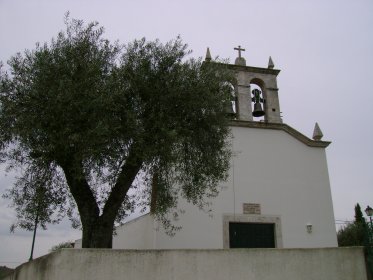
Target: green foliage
(354, 234)
(359, 218)
(31, 198)
(67, 244)
(89, 123)
(5, 271)
(351, 235)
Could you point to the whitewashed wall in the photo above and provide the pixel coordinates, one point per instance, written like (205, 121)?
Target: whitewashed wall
(286, 177)
(141, 232)
(234, 264)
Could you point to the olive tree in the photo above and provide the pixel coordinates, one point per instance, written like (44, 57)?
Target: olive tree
(106, 128)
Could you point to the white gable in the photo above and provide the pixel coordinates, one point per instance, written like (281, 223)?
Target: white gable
(285, 177)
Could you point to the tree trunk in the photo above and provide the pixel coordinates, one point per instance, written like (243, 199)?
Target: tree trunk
(98, 229)
(98, 234)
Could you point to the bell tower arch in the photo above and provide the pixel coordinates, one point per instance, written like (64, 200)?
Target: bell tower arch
(252, 105)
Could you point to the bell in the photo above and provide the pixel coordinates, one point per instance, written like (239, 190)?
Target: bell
(258, 111)
(229, 109)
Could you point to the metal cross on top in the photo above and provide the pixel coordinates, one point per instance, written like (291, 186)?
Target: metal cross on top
(239, 49)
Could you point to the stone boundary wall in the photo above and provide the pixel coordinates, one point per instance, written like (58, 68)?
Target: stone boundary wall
(261, 264)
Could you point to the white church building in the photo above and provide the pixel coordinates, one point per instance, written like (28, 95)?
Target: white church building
(277, 194)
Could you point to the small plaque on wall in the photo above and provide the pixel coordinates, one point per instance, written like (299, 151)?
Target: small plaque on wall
(251, 208)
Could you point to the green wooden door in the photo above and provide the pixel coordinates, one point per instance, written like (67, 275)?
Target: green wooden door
(251, 235)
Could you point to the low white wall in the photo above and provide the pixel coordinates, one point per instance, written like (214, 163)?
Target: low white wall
(263, 264)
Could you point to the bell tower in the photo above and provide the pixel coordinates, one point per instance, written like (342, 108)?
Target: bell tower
(256, 90)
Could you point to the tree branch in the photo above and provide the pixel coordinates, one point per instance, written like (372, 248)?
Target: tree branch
(81, 191)
(128, 173)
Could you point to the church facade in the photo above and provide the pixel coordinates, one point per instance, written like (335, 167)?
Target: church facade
(277, 194)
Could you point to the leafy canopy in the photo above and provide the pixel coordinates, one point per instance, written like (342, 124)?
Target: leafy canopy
(355, 233)
(62, 245)
(82, 116)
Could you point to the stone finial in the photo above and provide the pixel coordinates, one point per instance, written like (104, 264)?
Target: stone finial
(240, 60)
(317, 134)
(208, 55)
(271, 65)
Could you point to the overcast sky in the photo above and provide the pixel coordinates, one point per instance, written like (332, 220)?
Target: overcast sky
(324, 50)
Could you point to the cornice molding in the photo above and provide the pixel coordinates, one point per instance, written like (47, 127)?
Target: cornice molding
(244, 68)
(253, 69)
(284, 127)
